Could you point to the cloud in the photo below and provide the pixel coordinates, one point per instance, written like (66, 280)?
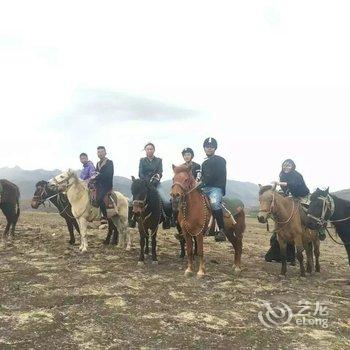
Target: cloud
(103, 107)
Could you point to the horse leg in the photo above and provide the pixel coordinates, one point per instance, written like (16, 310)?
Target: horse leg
(9, 221)
(182, 247)
(195, 252)
(238, 245)
(283, 253)
(300, 258)
(142, 247)
(316, 245)
(126, 233)
(109, 233)
(154, 248)
(147, 245)
(189, 250)
(309, 257)
(83, 229)
(71, 231)
(201, 270)
(15, 218)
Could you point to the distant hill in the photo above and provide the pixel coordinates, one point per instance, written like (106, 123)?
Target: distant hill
(344, 194)
(26, 180)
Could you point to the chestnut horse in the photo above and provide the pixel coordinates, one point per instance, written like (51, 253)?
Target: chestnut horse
(290, 220)
(195, 219)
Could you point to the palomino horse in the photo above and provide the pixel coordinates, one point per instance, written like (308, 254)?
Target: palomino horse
(290, 225)
(147, 207)
(196, 220)
(78, 195)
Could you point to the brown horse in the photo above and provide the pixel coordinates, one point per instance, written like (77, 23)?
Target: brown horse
(196, 220)
(290, 225)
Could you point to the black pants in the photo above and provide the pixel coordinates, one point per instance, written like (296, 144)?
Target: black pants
(101, 193)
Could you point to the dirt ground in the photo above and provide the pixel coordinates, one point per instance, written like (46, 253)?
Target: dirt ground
(53, 297)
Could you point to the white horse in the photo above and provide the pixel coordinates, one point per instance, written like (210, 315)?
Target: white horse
(78, 195)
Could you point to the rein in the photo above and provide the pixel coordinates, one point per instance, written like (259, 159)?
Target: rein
(184, 205)
(272, 206)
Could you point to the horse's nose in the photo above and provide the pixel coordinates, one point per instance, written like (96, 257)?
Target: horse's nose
(261, 219)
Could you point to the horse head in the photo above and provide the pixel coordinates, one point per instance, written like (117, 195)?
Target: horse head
(266, 200)
(64, 180)
(139, 189)
(40, 194)
(320, 209)
(183, 182)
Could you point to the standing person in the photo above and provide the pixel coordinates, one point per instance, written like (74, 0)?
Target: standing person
(188, 156)
(151, 170)
(104, 180)
(214, 183)
(88, 167)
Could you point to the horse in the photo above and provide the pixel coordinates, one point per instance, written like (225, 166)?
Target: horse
(196, 220)
(325, 207)
(78, 195)
(9, 204)
(290, 226)
(43, 192)
(147, 208)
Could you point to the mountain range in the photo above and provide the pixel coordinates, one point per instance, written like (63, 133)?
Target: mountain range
(26, 180)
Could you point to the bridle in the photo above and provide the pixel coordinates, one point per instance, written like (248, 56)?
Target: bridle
(327, 208)
(271, 214)
(39, 197)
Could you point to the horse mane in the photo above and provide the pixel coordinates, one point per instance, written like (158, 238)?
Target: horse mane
(41, 183)
(265, 188)
(181, 168)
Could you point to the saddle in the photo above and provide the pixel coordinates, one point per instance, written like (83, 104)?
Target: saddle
(110, 199)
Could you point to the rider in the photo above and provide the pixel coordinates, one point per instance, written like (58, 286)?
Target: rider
(88, 167)
(151, 170)
(188, 155)
(213, 177)
(292, 182)
(104, 180)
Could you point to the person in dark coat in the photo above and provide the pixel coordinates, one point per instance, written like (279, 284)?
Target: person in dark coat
(291, 181)
(104, 179)
(213, 178)
(151, 170)
(188, 156)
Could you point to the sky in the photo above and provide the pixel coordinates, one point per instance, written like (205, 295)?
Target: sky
(269, 80)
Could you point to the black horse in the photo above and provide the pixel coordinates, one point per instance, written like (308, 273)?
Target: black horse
(9, 204)
(43, 192)
(147, 207)
(325, 207)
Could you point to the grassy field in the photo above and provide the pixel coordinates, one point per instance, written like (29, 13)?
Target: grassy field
(53, 297)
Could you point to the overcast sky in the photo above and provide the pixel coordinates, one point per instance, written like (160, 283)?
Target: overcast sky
(268, 79)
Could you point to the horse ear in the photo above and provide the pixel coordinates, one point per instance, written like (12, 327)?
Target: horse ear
(327, 191)
(260, 185)
(133, 178)
(173, 167)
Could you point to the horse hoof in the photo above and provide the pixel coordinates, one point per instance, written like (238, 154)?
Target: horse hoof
(200, 274)
(188, 273)
(154, 262)
(128, 248)
(237, 270)
(141, 263)
(282, 277)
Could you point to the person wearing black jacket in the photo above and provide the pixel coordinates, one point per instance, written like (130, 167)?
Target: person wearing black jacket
(188, 156)
(213, 178)
(292, 182)
(104, 179)
(151, 170)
